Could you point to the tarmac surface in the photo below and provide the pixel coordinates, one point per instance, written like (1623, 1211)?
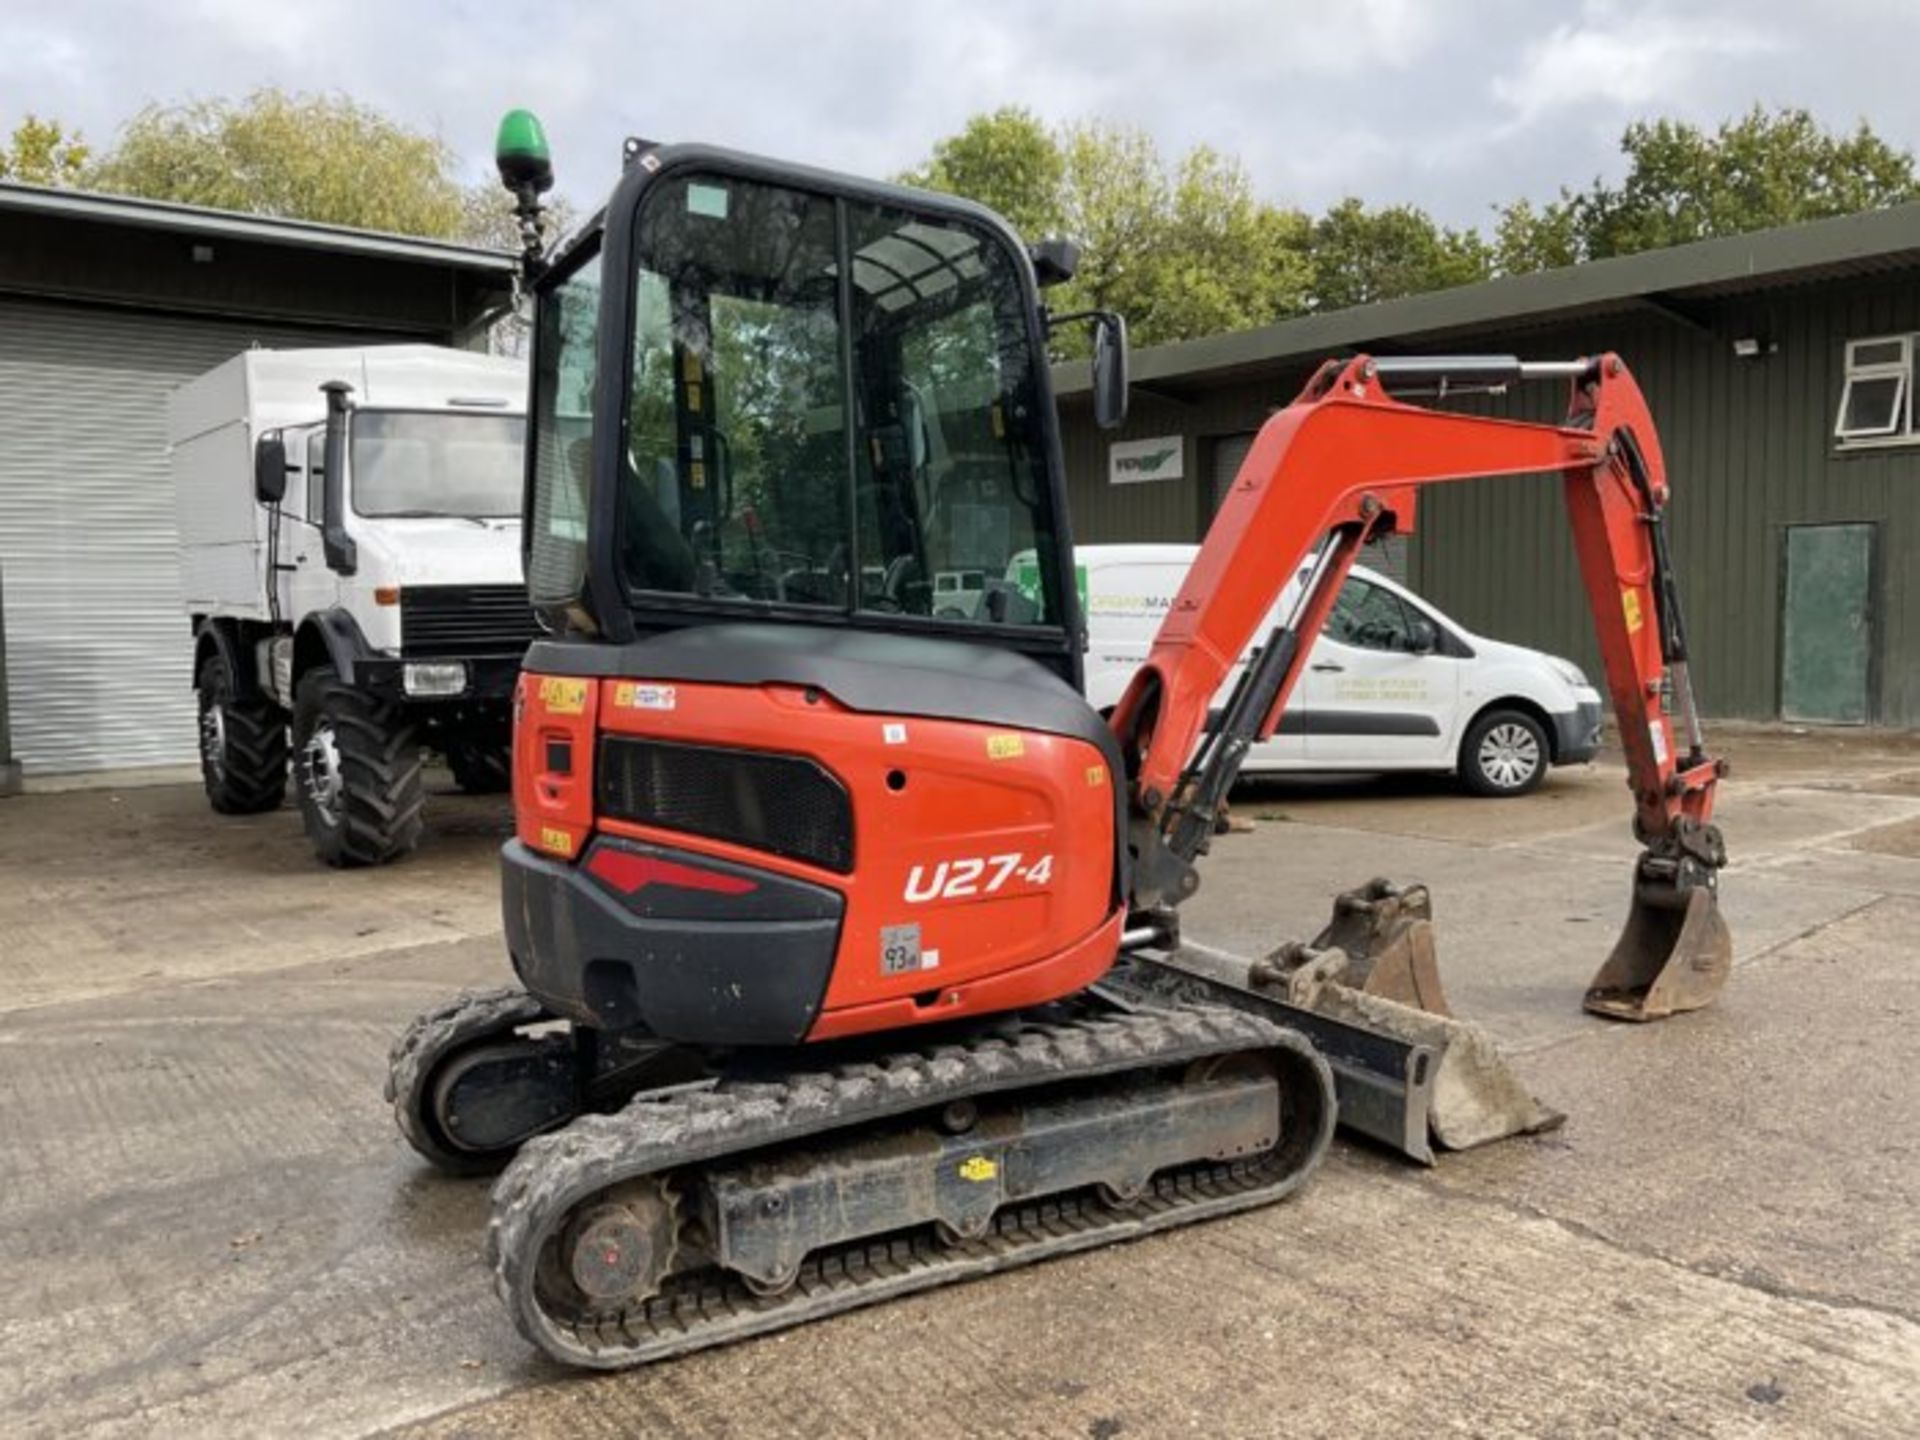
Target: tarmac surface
(208, 1225)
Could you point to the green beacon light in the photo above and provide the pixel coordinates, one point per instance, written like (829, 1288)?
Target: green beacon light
(520, 151)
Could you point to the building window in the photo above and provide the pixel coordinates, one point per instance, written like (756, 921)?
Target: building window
(1876, 403)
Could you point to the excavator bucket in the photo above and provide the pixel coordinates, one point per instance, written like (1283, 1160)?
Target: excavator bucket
(1375, 966)
(1674, 954)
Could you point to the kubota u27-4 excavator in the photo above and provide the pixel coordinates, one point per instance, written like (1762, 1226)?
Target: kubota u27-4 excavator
(845, 928)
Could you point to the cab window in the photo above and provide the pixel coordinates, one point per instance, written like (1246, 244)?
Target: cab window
(1370, 618)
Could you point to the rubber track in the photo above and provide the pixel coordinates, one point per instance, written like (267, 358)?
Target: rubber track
(469, 1017)
(553, 1174)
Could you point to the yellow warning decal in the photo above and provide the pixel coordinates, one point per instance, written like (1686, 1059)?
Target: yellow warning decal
(564, 697)
(1096, 774)
(1630, 604)
(560, 842)
(978, 1169)
(1005, 747)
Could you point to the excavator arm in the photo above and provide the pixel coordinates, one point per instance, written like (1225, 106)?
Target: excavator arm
(1344, 464)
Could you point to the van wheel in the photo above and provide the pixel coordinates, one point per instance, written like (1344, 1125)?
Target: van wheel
(1504, 753)
(356, 766)
(479, 768)
(243, 744)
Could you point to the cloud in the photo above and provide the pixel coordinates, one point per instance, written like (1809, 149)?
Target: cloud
(1454, 106)
(1624, 61)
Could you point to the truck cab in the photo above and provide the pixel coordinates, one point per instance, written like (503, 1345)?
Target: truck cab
(351, 559)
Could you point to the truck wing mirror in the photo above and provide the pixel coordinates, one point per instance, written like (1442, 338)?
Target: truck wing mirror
(1423, 637)
(1109, 370)
(270, 469)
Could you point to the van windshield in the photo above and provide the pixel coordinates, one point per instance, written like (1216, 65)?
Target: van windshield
(432, 463)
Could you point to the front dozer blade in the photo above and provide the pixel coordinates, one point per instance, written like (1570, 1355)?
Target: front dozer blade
(1675, 954)
(1375, 966)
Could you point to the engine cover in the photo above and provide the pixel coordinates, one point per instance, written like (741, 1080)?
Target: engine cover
(975, 860)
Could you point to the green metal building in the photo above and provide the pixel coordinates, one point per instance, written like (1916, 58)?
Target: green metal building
(1779, 366)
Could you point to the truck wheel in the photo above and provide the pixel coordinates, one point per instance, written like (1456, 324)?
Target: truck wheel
(356, 766)
(479, 768)
(1504, 753)
(243, 745)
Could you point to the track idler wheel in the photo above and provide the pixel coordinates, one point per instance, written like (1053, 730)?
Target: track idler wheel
(467, 1088)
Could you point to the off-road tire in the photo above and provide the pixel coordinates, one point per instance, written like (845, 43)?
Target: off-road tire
(1514, 734)
(374, 812)
(243, 744)
(479, 768)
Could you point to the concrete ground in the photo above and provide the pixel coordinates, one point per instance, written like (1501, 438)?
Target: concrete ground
(209, 1227)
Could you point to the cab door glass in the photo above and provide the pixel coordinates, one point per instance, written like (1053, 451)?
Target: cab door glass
(950, 479)
(1370, 618)
(734, 486)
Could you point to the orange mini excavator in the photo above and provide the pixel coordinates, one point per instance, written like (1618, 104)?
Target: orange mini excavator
(845, 928)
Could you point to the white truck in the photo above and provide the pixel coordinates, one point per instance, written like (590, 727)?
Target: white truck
(350, 561)
(1391, 683)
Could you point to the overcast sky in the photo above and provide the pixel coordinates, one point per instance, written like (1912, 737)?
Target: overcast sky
(1452, 104)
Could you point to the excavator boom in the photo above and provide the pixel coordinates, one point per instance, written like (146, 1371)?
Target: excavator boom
(1344, 464)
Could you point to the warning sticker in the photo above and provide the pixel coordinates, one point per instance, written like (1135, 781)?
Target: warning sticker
(1630, 606)
(556, 840)
(563, 697)
(1657, 732)
(894, 733)
(978, 1168)
(629, 695)
(1005, 747)
(1096, 774)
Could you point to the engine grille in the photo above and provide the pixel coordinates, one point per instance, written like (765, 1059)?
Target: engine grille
(779, 803)
(461, 621)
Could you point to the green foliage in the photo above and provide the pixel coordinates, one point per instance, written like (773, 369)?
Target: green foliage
(1360, 255)
(1685, 184)
(1182, 250)
(314, 157)
(43, 153)
(1007, 160)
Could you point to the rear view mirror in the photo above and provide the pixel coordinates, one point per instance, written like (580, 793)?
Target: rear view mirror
(270, 469)
(1109, 370)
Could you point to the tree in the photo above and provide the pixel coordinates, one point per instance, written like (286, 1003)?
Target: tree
(1180, 252)
(42, 152)
(1684, 184)
(1361, 255)
(1008, 161)
(312, 157)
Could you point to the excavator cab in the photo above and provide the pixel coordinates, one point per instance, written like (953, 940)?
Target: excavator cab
(796, 521)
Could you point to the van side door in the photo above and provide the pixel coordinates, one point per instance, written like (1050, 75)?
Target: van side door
(1377, 695)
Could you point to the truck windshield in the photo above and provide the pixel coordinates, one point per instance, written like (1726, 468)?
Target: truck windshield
(429, 463)
(869, 446)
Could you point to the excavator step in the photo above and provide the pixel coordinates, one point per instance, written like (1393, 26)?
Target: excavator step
(706, 1215)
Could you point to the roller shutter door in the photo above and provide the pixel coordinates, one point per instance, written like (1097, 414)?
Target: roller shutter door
(1388, 556)
(98, 652)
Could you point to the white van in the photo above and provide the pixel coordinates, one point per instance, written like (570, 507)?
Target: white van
(1391, 684)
